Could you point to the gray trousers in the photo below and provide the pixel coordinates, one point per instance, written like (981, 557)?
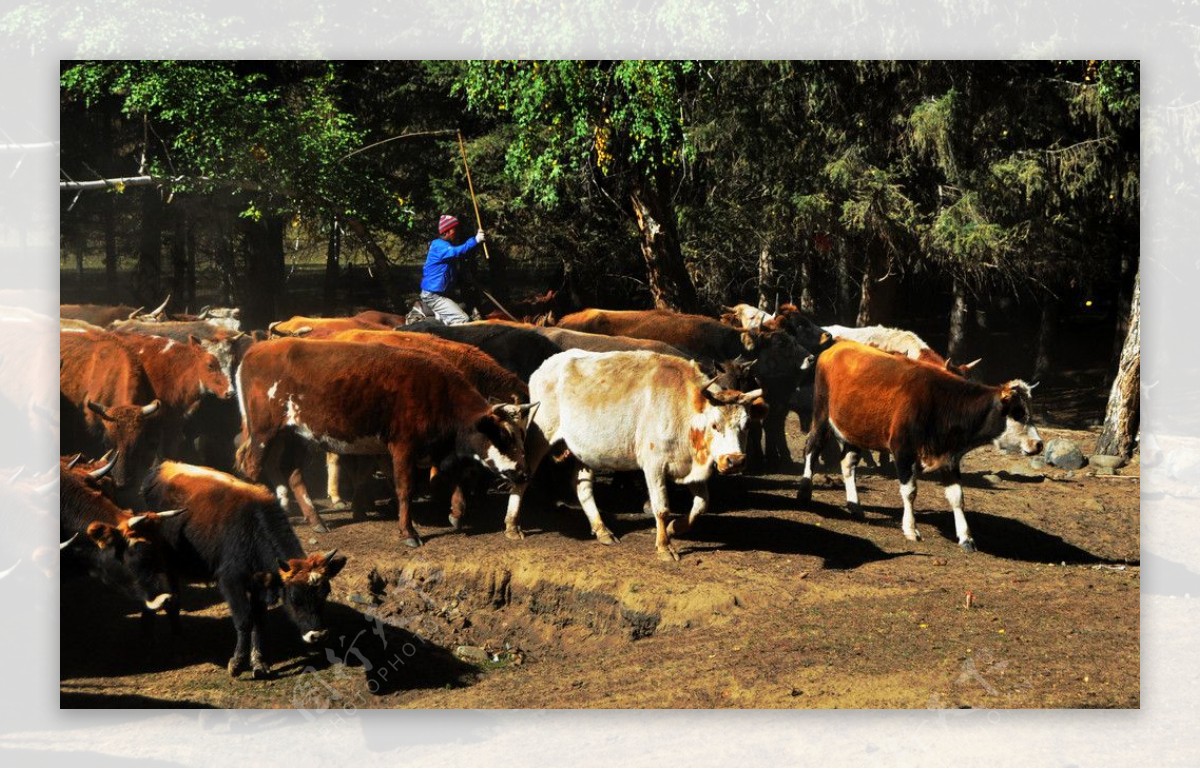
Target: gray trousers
(446, 310)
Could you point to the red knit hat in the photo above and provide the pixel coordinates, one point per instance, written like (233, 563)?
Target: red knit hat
(446, 223)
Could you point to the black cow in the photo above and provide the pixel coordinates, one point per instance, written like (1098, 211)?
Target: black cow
(237, 535)
(520, 350)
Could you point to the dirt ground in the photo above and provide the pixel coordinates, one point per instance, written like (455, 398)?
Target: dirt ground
(771, 606)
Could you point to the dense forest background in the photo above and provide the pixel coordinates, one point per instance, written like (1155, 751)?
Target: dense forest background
(960, 199)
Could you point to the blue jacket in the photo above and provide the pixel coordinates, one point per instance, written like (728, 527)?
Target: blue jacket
(438, 275)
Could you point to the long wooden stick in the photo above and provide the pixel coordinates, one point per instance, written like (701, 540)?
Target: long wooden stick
(479, 222)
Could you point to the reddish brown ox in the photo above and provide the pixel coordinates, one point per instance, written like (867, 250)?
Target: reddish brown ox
(925, 416)
(97, 314)
(180, 373)
(380, 318)
(353, 398)
(237, 535)
(107, 402)
(695, 335)
(300, 325)
(492, 380)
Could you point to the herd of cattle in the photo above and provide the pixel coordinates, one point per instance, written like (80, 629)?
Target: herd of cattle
(184, 437)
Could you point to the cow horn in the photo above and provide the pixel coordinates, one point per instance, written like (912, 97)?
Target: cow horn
(171, 513)
(47, 487)
(203, 312)
(1035, 384)
(151, 407)
(750, 396)
(74, 460)
(158, 310)
(108, 455)
(327, 557)
(135, 520)
(10, 569)
(65, 545)
(971, 365)
(271, 327)
(98, 409)
(103, 470)
(302, 331)
(17, 473)
(134, 314)
(707, 383)
(158, 601)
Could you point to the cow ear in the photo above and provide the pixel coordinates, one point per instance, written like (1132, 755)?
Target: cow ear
(193, 341)
(749, 341)
(102, 534)
(758, 409)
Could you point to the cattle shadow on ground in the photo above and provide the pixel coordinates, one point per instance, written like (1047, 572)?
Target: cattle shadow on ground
(778, 535)
(390, 658)
(1007, 538)
(106, 701)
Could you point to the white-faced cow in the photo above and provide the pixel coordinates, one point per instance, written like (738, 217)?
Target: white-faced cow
(365, 399)
(236, 535)
(621, 411)
(925, 416)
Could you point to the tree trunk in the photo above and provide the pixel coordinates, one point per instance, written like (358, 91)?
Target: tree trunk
(1124, 305)
(333, 254)
(1045, 339)
(148, 279)
(845, 276)
(110, 250)
(226, 264)
(190, 246)
(767, 285)
(383, 267)
(264, 271)
(671, 286)
(1121, 421)
(179, 254)
(807, 302)
(878, 288)
(956, 343)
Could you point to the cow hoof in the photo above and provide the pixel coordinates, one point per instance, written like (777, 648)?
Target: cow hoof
(413, 542)
(261, 672)
(320, 528)
(913, 536)
(236, 666)
(855, 511)
(804, 492)
(514, 533)
(605, 537)
(667, 554)
(456, 522)
(968, 545)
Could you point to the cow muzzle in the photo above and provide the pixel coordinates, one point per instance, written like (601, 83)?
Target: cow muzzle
(313, 636)
(515, 476)
(728, 464)
(1031, 447)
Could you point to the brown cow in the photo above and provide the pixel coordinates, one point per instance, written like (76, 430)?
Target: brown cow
(353, 398)
(492, 380)
(107, 401)
(180, 373)
(97, 314)
(927, 417)
(300, 325)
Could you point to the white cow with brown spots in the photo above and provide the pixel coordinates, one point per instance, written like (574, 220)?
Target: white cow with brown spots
(620, 411)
